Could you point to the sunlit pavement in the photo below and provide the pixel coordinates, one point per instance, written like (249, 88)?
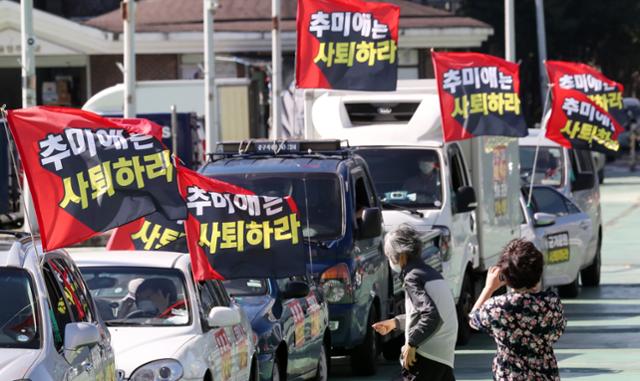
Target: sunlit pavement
(602, 341)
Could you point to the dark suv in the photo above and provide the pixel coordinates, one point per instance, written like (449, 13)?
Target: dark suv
(342, 227)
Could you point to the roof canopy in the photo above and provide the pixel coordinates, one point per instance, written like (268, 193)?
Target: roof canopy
(170, 26)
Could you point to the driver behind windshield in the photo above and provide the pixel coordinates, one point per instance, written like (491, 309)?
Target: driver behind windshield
(425, 184)
(157, 297)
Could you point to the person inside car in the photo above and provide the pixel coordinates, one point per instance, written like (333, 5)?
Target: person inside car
(156, 297)
(426, 183)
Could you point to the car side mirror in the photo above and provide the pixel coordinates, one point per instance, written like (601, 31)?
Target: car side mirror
(371, 225)
(223, 317)
(295, 289)
(465, 199)
(544, 219)
(78, 335)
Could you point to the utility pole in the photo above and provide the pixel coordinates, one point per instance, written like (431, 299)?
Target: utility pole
(28, 63)
(211, 125)
(509, 31)
(542, 49)
(276, 71)
(128, 8)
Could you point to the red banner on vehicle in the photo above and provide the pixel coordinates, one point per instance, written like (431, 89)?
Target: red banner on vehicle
(578, 122)
(603, 91)
(479, 95)
(347, 44)
(90, 174)
(233, 233)
(153, 232)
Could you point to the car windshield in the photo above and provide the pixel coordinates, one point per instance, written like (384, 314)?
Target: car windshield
(549, 169)
(18, 322)
(405, 177)
(133, 296)
(246, 287)
(324, 213)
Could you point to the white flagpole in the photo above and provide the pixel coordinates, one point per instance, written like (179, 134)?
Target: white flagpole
(543, 130)
(276, 72)
(129, 31)
(28, 64)
(211, 118)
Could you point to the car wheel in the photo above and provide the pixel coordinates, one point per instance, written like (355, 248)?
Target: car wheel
(590, 276)
(364, 356)
(463, 308)
(569, 290)
(322, 372)
(275, 373)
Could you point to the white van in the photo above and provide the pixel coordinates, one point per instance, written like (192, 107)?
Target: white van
(469, 190)
(573, 173)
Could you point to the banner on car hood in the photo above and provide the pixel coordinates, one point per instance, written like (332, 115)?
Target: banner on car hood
(90, 174)
(347, 45)
(153, 232)
(479, 95)
(233, 233)
(578, 122)
(603, 91)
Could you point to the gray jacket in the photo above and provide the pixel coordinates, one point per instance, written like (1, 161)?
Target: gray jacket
(430, 321)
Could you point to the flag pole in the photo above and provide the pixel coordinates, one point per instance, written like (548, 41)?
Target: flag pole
(129, 57)
(28, 64)
(276, 71)
(543, 130)
(211, 114)
(28, 216)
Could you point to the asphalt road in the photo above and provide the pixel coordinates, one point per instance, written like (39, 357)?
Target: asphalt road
(602, 340)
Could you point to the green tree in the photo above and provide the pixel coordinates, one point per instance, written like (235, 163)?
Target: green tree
(604, 34)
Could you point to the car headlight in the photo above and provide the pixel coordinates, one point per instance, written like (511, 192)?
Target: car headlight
(161, 370)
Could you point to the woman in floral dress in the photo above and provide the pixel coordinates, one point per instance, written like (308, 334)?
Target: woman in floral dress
(525, 322)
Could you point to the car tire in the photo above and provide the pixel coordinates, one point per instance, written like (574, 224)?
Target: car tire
(391, 349)
(463, 308)
(275, 373)
(590, 276)
(322, 371)
(570, 290)
(364, 357)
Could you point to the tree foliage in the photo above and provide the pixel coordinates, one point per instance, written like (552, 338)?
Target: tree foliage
(604, 34)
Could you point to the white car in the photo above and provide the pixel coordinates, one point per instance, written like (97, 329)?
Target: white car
(573, 173)
(164, 326)
(561, 231)
(49, 327)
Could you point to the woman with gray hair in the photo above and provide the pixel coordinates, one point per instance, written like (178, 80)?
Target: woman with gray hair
(430, 323)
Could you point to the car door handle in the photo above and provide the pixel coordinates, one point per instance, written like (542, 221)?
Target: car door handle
(585, 225)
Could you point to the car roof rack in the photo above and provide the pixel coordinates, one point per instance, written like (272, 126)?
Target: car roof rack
(16, 233)
(281, 148)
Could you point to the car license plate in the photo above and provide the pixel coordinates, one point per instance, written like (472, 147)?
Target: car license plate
(558, 248)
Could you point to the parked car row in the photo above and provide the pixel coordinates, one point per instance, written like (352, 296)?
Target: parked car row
(135, 315)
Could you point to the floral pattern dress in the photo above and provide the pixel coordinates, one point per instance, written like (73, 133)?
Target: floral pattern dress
(524, 326)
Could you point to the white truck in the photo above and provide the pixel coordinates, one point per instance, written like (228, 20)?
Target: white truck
(469, 189)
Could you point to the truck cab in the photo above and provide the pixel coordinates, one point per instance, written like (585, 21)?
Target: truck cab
(469, 190)
(341, 225)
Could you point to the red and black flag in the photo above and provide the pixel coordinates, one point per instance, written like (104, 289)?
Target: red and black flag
(347, 45)
(90, 174)
(479, 95)
(153, 232)
(603, 91)
(578, 122)
(233, 233)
